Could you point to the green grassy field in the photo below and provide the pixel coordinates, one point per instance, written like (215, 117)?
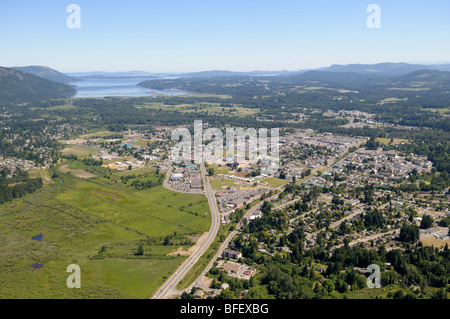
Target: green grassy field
(78, 150)
(368, 293)
(393, 100)
(314, 88)
(387, 141)
(138, 278)
(274, 182)
(204, 260)
(211, 108)
(98, 225)
(42, 173)
(65, 107)
(219, 184)
(410, 89)
(445, 110)
(98, 134)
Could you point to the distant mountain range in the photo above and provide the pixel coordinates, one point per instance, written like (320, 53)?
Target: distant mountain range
(380, 70)
(34, 83)
(430, 76)
(385, 69)
(47, 73)
(101, 74)
(335, 78)
(20, 87)
(218, 73)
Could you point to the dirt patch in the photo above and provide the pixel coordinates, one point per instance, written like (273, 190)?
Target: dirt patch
(177, 252)
(112, 196)
(15, 184)
(77, 172)
(207, 281)
(78, 141)
(435, 242)
(434, 213)
(190, 251)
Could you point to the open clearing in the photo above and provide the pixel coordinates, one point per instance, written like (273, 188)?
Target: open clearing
(210, 108)
(97, 224)
(180, 251)
(99, 134)
(42, 173)
(387, 141)
(274, 182)
(219, 184)
(435, 242)
(76, 172)
(444, 110)
(79, 150)
(410, 89)
(392, 100)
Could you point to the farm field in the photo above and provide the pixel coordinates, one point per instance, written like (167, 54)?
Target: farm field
(98, 225)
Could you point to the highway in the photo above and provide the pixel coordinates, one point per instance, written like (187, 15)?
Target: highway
(199, 281)
(168, 289)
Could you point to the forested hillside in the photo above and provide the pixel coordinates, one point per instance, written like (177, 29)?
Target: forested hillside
(19, 87)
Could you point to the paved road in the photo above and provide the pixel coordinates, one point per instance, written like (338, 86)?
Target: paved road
(199, 281)
(168, 289)
(369, 238)
(167, 185)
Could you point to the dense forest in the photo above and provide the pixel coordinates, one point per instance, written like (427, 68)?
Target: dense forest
(17, 186)
(19, 87)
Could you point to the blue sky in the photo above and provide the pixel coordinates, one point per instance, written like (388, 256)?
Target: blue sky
(239, 35)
